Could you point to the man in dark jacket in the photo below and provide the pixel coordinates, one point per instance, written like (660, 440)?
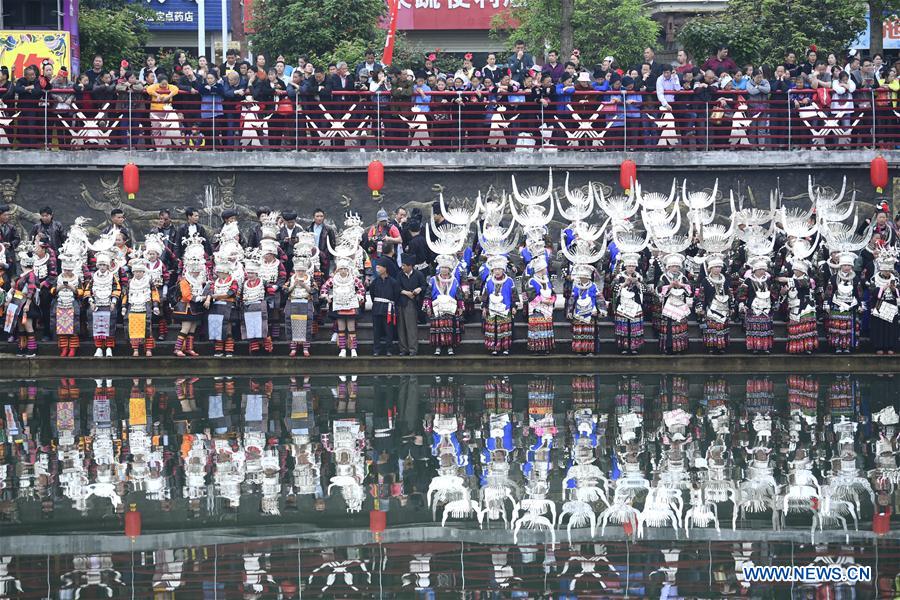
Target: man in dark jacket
(385, 293)
(412, 287)
(255, 237)
(519, 62)
(324, 233)
(192, 215)
(49, 230)
(30, 91)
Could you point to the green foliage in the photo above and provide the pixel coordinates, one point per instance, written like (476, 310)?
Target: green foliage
(353, 52)
(115, 33)
(762, 31)
(319, 29)
(621, 28)
(701, 36)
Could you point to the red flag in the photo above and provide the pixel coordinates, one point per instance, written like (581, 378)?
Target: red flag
(387, 57)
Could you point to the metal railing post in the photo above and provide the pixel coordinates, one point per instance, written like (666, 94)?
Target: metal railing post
(130, 122)
(214, 126)
(377, 120)
(624, 123)
(539, 141)
(459, 135)
(297, 122)
(46, 105)
(874, 119)
(706, 129)
(789, 121)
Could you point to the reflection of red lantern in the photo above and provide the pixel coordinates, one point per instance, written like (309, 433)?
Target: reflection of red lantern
(628, 527)
(377, 523)
(878, 173)
(627, 174)
(133, 522)
(376, 177)
(131, 180)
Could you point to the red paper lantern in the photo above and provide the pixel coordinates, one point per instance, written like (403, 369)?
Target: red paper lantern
(878, 173)
(133, 522)
(131, 180)
(376, 177)
(627, 174)
(377, 522)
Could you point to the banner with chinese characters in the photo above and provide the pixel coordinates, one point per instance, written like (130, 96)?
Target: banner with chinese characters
(182, 15)
(21, 48)
(448, 14)
(890, 34)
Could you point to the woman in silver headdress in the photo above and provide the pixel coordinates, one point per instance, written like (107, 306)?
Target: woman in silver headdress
(756, 306)
(628, 299)
(585, 307)
(302, 296)
(541, 299)
(345, 295)
(675, 293)
(799, 290)
(444, 305)
(842, 305)
(885, 298)
(714, 304)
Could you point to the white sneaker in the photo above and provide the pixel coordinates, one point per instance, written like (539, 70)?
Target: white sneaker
(98, 352)
(333, 338)
(342, 354)
(450, 351)
(109, 352)
(353, 354)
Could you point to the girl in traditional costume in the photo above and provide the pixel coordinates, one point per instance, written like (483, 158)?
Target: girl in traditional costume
(444, 304)
(273, 274)
(799, 290)
(498, 306)
(66, 307)
(254, 311)
(21, 303)
(756, 306)
(139, 304)
(192, 298)
(103, 292)
(628, 299)
(299, 310)
(885, 299)
(224, 289)
(541, 300)
(842, 306)
(346, 295)
(585, 307)
(675, 293)
(714, 304)
(154, 248)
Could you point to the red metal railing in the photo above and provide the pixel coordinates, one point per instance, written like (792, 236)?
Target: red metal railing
(453, 121)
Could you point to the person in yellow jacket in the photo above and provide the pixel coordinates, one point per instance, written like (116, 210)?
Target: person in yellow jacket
(165, 124)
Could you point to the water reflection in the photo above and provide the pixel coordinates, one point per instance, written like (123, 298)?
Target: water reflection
(564, 462)
(285, 568)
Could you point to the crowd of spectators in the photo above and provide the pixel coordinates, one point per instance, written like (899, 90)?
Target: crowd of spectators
(826, 99)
